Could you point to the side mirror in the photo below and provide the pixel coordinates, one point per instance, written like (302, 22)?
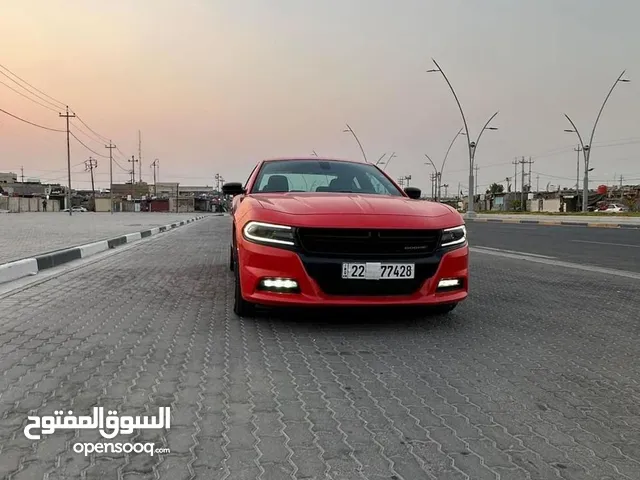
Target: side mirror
(413, 192)
(233, 188)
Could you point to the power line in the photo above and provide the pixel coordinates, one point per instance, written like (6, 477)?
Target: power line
(58, 105)
(121, 167)
(32, 93)
(90, 137)
(610, 143)
(28, 98)
(24, 81)
(81, 143)
(102, 138)
(31, 123)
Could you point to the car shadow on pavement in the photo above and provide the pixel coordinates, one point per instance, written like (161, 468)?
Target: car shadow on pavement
(361, 319)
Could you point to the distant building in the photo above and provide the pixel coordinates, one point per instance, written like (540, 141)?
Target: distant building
(168, 190)
(9, 177)
(137, 190)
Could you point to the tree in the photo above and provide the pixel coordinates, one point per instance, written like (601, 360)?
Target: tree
(496, 188)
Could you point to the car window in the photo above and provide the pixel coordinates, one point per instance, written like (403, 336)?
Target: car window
(246, 184)
(329, 176)
(379, 187)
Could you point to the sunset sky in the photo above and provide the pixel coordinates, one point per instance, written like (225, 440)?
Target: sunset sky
(214, 86)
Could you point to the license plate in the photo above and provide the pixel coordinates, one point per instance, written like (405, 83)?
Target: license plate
(378, 271)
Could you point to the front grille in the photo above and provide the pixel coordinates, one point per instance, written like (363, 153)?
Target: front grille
(367, 242)
(328, 275)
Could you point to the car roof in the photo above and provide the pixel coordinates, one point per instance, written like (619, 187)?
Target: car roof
(312, 158)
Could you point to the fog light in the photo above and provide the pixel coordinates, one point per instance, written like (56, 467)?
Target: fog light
(279, 284)
(449, 283)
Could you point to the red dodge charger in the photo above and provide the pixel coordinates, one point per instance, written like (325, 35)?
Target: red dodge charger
(316, 232)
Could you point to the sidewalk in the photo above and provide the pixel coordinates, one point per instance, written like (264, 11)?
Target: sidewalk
(600, 221)
(31, 264)
(28, 234)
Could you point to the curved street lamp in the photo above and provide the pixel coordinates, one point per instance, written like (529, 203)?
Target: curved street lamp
(350, 130)
(440, 172)
(386, 164)
(434, 188)
(586, 148)
(471, 144)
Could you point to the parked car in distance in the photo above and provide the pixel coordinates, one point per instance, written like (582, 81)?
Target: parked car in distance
(614, 208)
(75, 209)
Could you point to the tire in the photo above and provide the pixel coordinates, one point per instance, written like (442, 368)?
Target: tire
(231, 260)
(444, 309)
(241, 307)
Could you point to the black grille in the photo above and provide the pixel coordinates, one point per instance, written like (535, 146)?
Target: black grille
(367, 242)
(328, 274)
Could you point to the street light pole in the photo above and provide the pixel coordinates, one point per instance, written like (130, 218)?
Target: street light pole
(350, 130)
(586, 149)
(471, 145)
(393, 155)
(445, 161)
(434, 178)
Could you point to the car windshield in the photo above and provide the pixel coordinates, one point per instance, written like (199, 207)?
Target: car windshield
(307, 176)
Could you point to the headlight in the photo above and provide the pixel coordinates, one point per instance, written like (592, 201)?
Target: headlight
(269, 233)
(454, 236)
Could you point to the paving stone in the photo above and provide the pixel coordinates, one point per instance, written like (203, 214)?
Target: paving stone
(530, 378)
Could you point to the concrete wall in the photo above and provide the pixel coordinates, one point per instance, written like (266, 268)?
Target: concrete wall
(24, 204)
(185, 205)
(103, 204)
(544, 205)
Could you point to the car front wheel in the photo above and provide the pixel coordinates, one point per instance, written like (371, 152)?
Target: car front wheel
(241, 307)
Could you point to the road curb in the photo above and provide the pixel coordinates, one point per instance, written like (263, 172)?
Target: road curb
(31, 266)
(626, 226)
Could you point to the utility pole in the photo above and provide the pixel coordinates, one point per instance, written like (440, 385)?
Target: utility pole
(529, 179)
(515, 175)
(446, 189)
(177, 197)
(154, 165)
(22, 173)
(522, 183)
(90, 165)
(133, 161)
(68, 116)
(432, 178)
(537, 183)
(111, 146)
(579, 149)
(620, 183)
(459, 193)
(140, 154)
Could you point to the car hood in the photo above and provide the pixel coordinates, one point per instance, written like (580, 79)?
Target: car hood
(349, 204)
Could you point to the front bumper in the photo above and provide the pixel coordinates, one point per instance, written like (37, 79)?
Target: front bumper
(257, 262)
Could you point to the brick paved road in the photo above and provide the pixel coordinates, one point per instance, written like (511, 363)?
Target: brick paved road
(526, 380)
(27, 234)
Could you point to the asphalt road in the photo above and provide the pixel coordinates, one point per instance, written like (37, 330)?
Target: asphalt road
(531, 378)
(603, 247)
